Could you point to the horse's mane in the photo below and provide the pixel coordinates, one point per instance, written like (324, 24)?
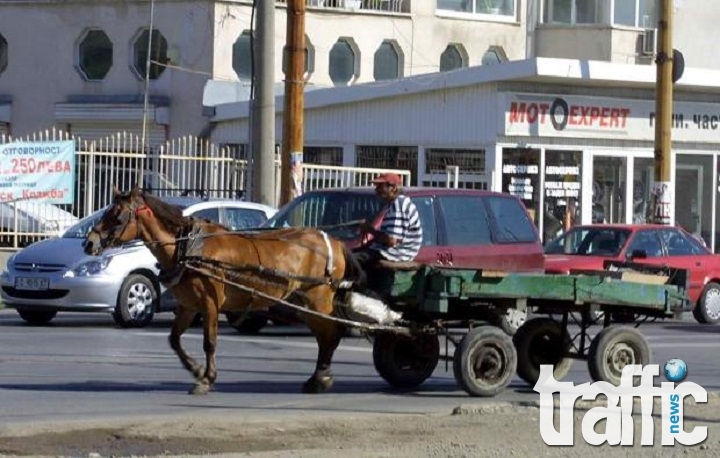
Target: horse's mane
(168, 214)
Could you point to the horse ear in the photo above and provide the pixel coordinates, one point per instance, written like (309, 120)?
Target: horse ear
(115, 192)
(136, 192)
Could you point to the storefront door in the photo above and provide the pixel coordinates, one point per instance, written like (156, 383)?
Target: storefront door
(608, 196)
(689, 198)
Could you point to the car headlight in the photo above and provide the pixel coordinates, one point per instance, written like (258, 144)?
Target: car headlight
(89, 268)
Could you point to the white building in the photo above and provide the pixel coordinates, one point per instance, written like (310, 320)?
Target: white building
(559, 133)
(79, 65)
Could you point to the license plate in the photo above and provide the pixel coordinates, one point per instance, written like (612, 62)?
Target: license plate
(33, 284)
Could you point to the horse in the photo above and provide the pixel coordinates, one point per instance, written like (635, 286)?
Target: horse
(301, 265)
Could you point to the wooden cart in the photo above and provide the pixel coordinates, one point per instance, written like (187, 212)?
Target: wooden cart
(563, 310)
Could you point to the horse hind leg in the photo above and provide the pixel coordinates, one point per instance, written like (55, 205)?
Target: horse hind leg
(181, 323)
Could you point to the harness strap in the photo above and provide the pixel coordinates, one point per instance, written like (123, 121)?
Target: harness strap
(329, 265)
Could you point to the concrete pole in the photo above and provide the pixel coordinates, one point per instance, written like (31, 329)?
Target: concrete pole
(663, 201)
(294, 101)
(263, 107)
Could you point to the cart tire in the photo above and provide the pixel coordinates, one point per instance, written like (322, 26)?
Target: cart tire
(541, 341)
(405, 362)
(485, 361)
(707, 310)
(614, 348)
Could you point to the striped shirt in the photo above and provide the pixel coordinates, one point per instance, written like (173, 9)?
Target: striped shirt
(401, 222)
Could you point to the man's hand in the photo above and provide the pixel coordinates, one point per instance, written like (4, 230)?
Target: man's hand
(367, 228)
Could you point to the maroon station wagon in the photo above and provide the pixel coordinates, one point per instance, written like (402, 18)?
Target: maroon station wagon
(462, 228)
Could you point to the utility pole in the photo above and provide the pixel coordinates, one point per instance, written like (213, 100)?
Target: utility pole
(663, 191)
(293, 103)
(263, 108)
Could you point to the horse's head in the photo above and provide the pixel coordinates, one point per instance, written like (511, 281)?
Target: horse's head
(119, 224)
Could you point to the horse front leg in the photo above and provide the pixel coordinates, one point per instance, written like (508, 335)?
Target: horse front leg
(181, 323)
(328, 335)
(204, 384)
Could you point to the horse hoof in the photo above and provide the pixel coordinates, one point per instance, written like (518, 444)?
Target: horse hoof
(199, 389)
(316, 386)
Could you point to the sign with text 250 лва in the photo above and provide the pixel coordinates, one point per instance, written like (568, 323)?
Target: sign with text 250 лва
(37, 171)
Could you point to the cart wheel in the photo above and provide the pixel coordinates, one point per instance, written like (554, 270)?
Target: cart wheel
(612, 349)
(405, 362)
(484, 361)
(541, 341)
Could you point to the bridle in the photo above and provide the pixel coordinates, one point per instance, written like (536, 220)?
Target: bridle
(125, 219)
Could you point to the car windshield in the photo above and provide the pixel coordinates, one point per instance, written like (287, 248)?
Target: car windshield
(590, 241)
(81, 229)
(338, 213)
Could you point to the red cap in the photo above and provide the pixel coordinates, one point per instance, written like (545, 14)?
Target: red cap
(390, 178)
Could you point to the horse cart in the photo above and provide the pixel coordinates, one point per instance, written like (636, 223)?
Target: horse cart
(463, 305)
(564, 309)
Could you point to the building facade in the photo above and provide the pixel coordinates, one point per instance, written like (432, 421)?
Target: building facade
(573, 139)
(81, 65)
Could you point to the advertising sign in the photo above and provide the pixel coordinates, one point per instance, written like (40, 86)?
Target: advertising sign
(37, 171)
(548, 115)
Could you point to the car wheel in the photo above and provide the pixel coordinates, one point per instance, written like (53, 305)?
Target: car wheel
(37, 317)
(707, 311)
(136, 302)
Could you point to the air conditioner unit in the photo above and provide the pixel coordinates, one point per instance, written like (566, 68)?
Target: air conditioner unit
(648, 42)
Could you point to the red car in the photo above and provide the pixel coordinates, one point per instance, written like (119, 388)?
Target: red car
(588, 247)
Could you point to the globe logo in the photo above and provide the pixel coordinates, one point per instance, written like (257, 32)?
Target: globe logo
(675, 370)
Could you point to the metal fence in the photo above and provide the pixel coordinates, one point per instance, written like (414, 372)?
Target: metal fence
(187, 166)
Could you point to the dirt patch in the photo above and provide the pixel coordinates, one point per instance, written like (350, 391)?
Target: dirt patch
(472, 430)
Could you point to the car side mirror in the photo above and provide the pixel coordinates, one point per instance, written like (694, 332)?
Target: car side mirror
(638, 254)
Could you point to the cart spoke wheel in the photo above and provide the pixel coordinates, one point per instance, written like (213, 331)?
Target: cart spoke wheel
(542, 341)
(614, 348)
(405, 362)
(484, 361)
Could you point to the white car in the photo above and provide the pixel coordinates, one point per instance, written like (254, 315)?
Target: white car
(56, 275)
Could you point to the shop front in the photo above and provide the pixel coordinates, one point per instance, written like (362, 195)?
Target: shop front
(592, 161)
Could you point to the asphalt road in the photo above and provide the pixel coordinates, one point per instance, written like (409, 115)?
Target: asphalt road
(83, 368)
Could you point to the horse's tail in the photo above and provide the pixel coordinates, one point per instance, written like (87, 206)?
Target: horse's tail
(354, 272)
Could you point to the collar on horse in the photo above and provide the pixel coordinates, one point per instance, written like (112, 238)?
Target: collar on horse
(188, 241)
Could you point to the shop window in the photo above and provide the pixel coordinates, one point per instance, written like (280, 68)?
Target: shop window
(521, 177)
(242, 56)
(490, 7)
(3, 53)
(453, 57)
(309, 60)
(439, 164)
(563, 179)
(608, 193)
(344, 61)
(158, 49)
(693, 196)
(389, 157)
(643, 179)
(323, 155)
(389, 61)
(95, 55)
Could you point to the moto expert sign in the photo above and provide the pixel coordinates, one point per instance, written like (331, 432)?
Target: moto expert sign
(37, 171)
(548, 115)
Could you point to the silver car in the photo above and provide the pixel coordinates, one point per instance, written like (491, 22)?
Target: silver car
(55, 275)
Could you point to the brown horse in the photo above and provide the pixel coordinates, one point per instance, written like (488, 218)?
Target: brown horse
(301, 265)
